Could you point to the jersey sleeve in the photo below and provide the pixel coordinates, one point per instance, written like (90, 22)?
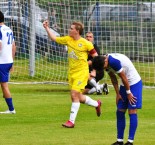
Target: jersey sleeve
(62, 40)
(115, 64)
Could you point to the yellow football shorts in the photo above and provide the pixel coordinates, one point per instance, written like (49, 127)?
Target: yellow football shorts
(78, 80)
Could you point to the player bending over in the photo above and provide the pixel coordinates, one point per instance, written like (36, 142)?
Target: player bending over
(128, 95)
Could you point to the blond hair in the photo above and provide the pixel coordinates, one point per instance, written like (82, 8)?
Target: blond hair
(78, 26)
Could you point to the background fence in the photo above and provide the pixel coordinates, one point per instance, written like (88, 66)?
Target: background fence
(126, 27)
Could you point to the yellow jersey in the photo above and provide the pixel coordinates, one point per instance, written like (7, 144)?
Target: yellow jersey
(77, 52)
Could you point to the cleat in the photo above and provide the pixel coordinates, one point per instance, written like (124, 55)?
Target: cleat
(128, 143)
(117, 143)
(98, 108)
(68, 124)
(105, 89)
(99, 93)
(8, 112)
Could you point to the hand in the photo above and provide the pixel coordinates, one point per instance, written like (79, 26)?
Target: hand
(132, 99)
(93, 73)
(46, 24)
(12, 69)
(119, 97)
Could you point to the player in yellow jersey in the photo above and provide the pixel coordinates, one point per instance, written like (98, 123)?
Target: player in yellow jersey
(78, 73)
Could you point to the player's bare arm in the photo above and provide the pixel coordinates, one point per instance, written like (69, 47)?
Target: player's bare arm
(49, 32)
(13, 54)
(131, 98)
(93, 53)
(114, 81)
(13, 50)
(89, 62)
(115, 84)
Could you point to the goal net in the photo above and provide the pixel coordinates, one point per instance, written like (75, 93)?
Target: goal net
(126, 27)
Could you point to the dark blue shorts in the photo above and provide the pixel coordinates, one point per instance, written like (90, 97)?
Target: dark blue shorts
(136, 90)
(4, 72)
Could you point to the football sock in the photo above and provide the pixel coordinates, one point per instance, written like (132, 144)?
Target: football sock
(121, 123)
(91, 91)
(91, 102)
(9, 103)
(93, 83)
(74, 110)
(101, 86)
(120, 140)
(133, 126)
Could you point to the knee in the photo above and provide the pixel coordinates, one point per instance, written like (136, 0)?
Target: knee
(122, 110)
(75, 96)
(132, 111)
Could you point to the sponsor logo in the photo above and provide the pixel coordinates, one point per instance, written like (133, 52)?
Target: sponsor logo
(79, 83)
(80, 45)
(72, 55)
(133, 105)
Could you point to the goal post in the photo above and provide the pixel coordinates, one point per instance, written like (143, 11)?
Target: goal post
(122, 26)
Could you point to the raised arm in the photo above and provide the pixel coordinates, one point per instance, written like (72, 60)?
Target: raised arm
(49, 32)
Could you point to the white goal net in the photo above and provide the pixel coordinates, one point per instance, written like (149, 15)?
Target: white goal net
(122, 26)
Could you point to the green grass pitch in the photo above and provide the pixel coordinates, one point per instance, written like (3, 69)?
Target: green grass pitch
(41, 109)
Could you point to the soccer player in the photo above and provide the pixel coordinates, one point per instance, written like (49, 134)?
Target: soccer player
(7, 53)
(93, 82)
(78, 72)
(128, 95)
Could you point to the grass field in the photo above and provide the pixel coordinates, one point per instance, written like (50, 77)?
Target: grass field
(41, 109)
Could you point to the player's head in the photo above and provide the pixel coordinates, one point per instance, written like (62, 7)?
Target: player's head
(98, 63)
(1, 17)
(90, 36)
(76, 28)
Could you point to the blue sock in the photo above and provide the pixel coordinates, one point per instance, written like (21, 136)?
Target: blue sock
(9, 103)
(121, 123)
(133, 125)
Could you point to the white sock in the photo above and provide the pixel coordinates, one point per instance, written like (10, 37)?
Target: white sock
(120, 140)
(74, 110)
(101, 86)
(91, 102)
(129, 140)
(91, 91)
(93, 83)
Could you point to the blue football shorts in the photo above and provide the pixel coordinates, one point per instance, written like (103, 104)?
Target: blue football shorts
(136, 90)
(4, 72)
